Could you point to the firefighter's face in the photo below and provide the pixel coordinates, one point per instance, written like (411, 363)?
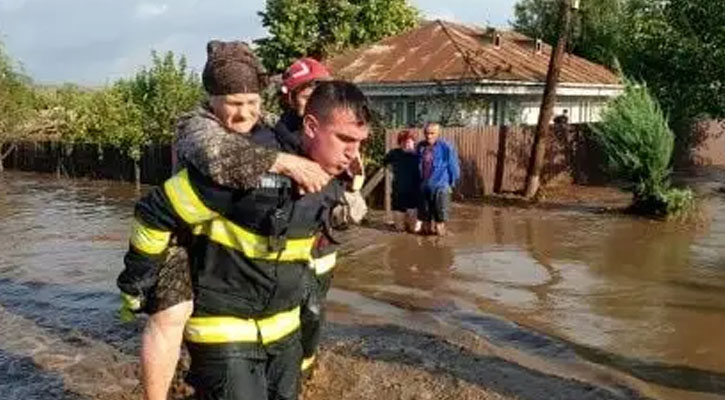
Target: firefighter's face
(334, 143)
(238, 112)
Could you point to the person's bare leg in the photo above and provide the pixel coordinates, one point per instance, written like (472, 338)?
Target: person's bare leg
(160, 347)
(412, 222)
(440, 228)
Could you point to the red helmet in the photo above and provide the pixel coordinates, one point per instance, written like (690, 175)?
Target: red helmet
(303, 71)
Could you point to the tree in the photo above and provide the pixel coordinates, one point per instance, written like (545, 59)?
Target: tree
(597, 32)
(162, 93)
(542, 133)
(105, 117)
(678, 48)
(16, 103)
(320, 28)
(638, 144)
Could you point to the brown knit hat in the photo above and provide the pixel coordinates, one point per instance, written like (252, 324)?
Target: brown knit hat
(232, 67)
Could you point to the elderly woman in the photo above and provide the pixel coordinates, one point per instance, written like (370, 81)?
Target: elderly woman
(406, 182)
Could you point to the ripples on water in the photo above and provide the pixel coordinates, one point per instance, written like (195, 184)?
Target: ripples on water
(643, 298)
(61, 248)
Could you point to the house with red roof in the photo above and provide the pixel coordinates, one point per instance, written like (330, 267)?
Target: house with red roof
(463, 75)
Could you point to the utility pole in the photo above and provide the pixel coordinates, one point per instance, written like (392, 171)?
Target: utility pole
(541, 137)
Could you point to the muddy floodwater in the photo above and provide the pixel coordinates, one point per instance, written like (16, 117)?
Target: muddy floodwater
(567, 302)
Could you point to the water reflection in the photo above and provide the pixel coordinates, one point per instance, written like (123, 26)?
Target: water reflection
(646, 294)
(418, 262)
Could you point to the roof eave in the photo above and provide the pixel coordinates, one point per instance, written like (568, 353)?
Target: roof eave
(487, 86)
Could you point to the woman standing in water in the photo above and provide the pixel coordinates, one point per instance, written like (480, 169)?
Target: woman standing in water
(406, 182)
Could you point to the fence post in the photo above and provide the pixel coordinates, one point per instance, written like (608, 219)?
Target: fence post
(11, 148)
(58, 146)
(388, 182)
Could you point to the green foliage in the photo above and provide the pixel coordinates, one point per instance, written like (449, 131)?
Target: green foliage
(678, 48)
(374, 148)
(102, 117)
(162, 93)
(272, 102)
(320, 28)
(638, 145)
(16, 99)
(129, 114)
(597, 28)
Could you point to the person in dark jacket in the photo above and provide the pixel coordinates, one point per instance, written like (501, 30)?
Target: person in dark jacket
(406, 182)
(440, 170)
(298, 82)
(214, 140)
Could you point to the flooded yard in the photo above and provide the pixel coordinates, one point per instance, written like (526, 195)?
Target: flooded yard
(563, 303)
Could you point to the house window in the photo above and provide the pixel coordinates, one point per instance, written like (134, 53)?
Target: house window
(410, 115)
(399, 119)
(397, 113)
(388, 112)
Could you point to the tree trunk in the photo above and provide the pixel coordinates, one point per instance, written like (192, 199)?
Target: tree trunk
(541, 137)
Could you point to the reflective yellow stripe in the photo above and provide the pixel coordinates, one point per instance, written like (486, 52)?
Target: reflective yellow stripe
(307, 362)
(130, 302)
(230, 329)
(227, 233)
(148, 240)
(324, 264)
(185, 201)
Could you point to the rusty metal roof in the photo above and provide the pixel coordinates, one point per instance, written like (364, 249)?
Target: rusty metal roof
(440, 51)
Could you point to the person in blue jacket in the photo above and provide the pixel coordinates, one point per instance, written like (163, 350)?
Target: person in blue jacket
(439, 170)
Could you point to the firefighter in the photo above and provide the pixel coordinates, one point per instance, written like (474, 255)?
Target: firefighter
(298, 83)
(249, 254)
(141, 262)
(213, 138)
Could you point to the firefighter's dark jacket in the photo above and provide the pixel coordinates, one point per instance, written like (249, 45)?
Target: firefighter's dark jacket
(249, 249)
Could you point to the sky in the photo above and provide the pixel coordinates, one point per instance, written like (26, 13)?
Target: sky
(94, 42)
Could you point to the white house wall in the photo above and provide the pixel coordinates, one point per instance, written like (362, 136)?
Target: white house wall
(580, 110)
(498, 110)
(504, 102)
(496, 88)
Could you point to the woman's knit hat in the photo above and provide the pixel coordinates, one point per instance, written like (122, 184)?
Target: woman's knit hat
(232, 67)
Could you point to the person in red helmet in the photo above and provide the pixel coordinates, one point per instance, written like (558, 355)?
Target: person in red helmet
(298, 82)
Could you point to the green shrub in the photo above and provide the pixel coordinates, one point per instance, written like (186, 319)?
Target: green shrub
(638, 145)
